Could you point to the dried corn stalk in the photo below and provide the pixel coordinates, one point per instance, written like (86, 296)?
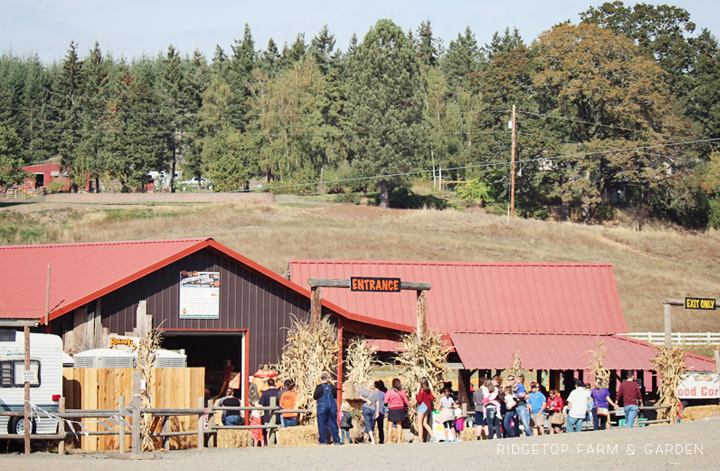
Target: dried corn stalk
(422, 356)
(602, 374)
(307, 353)
(670, 364)
(515, 368)
(359, 361)
(148, 345)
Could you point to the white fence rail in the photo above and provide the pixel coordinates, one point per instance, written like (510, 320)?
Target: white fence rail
(685, 338)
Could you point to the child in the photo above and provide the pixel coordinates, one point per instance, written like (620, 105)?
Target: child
(345, 423)
(459, 421)
(257, 433)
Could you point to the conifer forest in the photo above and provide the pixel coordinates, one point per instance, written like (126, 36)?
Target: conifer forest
(619, 110)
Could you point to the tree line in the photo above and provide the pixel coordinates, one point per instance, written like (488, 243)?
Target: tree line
(622, 108)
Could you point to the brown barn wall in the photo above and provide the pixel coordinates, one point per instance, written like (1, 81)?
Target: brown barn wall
(247, 301)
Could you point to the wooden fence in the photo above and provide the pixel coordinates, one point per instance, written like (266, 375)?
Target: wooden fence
(101, 388)
(683, 338)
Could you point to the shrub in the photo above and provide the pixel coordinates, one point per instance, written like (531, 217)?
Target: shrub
(714, 212)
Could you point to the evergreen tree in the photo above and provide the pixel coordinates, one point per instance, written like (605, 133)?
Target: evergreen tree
(463, 60)
(296, 51)
(270, 61)
(11, 172)
(385, 101)
(197, 82)
(321, 49)
(428, 47)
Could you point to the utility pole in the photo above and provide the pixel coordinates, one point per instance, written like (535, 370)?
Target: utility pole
(512, 168)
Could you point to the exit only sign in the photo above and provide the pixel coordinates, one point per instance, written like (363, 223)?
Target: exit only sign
(703, 304)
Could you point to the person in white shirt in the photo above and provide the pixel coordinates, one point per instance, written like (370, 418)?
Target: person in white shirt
(577, 407)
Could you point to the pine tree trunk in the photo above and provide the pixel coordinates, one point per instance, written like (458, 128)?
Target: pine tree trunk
(384, 194)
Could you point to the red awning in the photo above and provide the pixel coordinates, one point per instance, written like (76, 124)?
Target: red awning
(559, 351)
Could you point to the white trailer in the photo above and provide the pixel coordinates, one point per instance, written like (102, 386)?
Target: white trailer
(46, 360)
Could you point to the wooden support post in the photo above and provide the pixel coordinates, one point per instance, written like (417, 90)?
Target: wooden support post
(273, 421)
(26, 415)
(201, 424)
(166, 428)
(315, 305)
(61, 426)
(121, 440)
(668, 325)
(340, 373)
(717, 359)
(136, 445)
(421, 313)
(464, 387)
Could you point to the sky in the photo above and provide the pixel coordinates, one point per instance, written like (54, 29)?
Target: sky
(131, 28)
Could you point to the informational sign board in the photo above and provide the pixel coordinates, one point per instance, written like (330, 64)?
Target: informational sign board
(703, 304)
(199, 295)
(124, 343)
(30, 376)
(387, 285)
(699, 385)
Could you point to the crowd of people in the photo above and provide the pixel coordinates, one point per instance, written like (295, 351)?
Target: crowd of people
(502, 406)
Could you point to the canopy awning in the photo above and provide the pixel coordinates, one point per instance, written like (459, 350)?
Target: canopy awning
(559, 351)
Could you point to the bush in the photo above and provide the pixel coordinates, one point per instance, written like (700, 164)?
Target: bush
(714, 212)
(476, 190)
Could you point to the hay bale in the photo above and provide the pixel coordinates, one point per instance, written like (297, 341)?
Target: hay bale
(233, 438)
(302, 435)
(699, 412)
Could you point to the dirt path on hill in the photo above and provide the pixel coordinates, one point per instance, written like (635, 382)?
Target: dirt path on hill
(693, 445)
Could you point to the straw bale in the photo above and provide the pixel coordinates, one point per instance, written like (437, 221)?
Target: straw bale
(700, 412)
(233, 438)
(302, 435)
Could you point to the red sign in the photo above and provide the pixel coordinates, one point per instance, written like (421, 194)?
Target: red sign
(389, 285)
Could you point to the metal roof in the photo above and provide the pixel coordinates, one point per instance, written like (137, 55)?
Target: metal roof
(83, 272)
(559, 351)
(482, 297)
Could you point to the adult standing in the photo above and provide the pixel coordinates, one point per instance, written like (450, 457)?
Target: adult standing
(629, 394)
(493, 416)
(521, 406)
(555, 406)
(325, 394)
(269, 393)
(230, 417)
(538, 403)
(397, 400)
(577, 407)
(478, 396)
(424, 399)
(509, 402)
(601, 403)
(370, 410)
(381, 389)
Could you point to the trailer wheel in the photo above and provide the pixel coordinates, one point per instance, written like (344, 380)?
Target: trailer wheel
(17, 426)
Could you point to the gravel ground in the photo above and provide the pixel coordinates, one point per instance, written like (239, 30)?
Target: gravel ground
(693, 445)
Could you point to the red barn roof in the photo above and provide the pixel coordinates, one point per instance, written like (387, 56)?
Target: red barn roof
(81, 273)
(482, 297)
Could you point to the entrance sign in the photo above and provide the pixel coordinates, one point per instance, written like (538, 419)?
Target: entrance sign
(386, 285)
(199, 295)
(704, 304)
(699, 385)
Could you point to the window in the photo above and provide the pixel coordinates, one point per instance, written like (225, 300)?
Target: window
(11, 373)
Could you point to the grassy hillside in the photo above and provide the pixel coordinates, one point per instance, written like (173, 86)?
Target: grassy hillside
(650, 264)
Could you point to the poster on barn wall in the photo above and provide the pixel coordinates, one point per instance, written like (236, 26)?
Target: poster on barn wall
(199, 295)
(699, 385)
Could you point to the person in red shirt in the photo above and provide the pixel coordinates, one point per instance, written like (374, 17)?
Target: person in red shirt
(629, 393)
(424, 399)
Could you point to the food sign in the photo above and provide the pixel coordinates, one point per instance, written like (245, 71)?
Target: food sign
(199, 295)
(699, 385)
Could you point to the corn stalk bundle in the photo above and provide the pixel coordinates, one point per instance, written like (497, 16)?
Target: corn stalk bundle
(515, 367)
(307, 353)
(670, 363)
(147, 346)
(602, 374)
(422, 356)
(359, 362)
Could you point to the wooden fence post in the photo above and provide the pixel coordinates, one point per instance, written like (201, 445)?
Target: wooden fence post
(273, 421)
(61, 445)
(136, 445)
(121, 440)
(201, 424)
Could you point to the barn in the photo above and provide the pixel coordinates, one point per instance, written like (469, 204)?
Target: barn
(208, 300)
(553, 314)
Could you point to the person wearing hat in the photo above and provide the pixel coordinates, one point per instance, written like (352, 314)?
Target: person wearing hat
(537, 402)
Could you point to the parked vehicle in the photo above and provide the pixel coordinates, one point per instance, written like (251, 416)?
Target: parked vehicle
(46, 361)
